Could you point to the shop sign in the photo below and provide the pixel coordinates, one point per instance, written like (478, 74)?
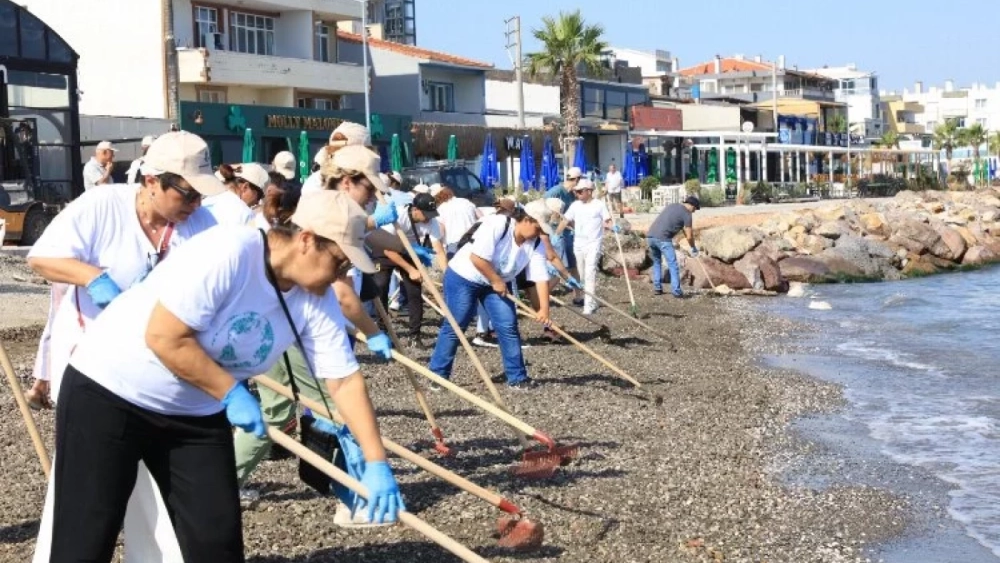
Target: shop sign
(302, 122)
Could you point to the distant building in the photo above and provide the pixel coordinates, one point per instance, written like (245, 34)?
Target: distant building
(977, 103)
(388, 20)
(859, 90)
(657, 68)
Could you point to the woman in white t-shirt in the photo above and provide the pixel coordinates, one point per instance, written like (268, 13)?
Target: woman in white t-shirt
(500, 248)
(456, 215)
(589, 217)
(158, 378)
(104, 242)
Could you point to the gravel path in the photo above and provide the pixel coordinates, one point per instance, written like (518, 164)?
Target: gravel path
(675, 471)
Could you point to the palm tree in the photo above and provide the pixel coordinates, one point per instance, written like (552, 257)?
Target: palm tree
(947, 137)
(995, 144)
(837, 124)
(975, 136)
(890, 140)
(569, 45)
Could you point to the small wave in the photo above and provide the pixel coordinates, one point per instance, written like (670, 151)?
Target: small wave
(873, 351)
(901, 300)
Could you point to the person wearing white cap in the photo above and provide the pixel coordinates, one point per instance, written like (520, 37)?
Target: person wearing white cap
(133, 169)
(589, 217)
(284, 163)
(159, 378)
(347, 134)
(97, 171)
(104, 242)
(245, 188)
(563, 242)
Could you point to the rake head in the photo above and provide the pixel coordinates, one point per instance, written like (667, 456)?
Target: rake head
(604, 335)
(634, 311)
(439, 445)
(519, 533)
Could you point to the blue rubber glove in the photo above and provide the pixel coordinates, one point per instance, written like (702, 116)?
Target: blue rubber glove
(574, 283)
(694, 251)
(616, 228)
(425, 254)
(381, 345)
(385, 214)
(384, 500)
(243, 411)
(102, 290)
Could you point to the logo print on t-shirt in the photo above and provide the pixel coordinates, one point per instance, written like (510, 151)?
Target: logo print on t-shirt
(244, 341)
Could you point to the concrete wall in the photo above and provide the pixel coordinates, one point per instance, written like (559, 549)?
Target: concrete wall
(121, 63)
(610, 148)
(294, 34)
(706, 117)
(469, 89)
(539, 99)
(396, 86)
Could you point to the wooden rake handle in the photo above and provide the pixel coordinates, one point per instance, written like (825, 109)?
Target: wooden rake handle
(609, 305)
(410, 456)
(516, 423)
(22, 405)
(410, 520)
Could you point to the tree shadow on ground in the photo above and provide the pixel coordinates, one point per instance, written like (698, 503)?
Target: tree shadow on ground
(19, 533)
(409, 551)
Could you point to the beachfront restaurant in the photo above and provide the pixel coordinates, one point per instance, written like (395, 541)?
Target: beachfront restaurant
(270, 129)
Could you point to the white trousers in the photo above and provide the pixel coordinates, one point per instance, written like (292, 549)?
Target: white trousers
(43, 359)
(587, 257)
(149, 534)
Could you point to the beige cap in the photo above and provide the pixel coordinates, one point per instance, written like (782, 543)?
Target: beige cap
(361, 159)
(555, 205)
(147, 141)
(255, 174)
(106, 146)
(583, 184)
(333, 215)
(421, 189)
(355, 133)
(396, 176)
(436, 189)
(186, 155)
(540, 212)
(321, 156)
(385, 179)
(284, 164)
(574, 173)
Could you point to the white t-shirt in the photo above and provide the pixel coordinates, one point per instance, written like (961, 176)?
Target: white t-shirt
(93, 171)
(314, 183)
(457, 214)
(508, 259)
(228, 208)
(217, 286)
(102, 228)
(133, 171)
(588, 222)
(613, 181)
(426, 229)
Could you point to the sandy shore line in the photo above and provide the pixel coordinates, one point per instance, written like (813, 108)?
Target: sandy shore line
(681, 470)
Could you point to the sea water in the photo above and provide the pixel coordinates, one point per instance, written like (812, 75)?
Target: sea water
(920, 364)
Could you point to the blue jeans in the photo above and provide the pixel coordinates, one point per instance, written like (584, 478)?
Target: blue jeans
(657, 250)
(462, 297)
(563, 247)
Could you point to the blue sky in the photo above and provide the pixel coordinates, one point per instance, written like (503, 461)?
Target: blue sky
(902, 40)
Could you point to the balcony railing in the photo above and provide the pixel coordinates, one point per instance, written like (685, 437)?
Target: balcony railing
(202, 66)
(808, 94)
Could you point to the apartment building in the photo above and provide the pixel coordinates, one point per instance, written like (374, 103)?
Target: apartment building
(388, 20)
(859, 90)
(977, 103)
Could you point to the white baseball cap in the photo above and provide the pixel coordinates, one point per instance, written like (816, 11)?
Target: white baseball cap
(106, 146)
(583, 184)
(284, 164)
(147, 141)
(555, 205)
(436, 189)
(396, 176)
(255, 174)
(333, 215)
(321, 156)
(540, 212)
(421, 189)
(361, 159)
(186, 155)
(574, 173)
(385, 179)
(355, 133)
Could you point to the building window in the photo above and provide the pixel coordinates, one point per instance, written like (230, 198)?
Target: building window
(982, 122)
(249, 33)
(981, 103)
(441, 96)
(206, 28)
(931, 126)
(325, 104)
(212, 96)
(321, 44)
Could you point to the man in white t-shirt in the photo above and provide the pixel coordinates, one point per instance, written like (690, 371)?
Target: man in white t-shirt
(133, 169)
(456, 214)
(614, 183)
(97, 171)
(589, 218)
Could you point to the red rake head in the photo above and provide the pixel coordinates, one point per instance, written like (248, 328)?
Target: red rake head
(439, 444)
(556, 455)
(535, 469)
(519, 534)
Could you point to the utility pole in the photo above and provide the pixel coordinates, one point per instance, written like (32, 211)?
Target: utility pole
(513, 36)
(364, 57)
(171, 65)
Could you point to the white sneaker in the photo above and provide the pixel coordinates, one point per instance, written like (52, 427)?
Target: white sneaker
(249, 498)
(394, 305)
(342, 517)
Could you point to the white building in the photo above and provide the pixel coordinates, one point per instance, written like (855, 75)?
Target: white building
(978, 103)
(541, 100)
(278, 53)
(859, 90)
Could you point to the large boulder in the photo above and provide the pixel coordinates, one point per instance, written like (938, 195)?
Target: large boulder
(807, 221)
(870, 258)
(839, 266)
(918, 265)
(979, 255)
(952, 247)
(933, 206)
(812, 244)
(875, 224)
(916, 236)
(730, 243)
(832, 230)
(804, 269)
(719, 273)
(775, 249)
(761, 270)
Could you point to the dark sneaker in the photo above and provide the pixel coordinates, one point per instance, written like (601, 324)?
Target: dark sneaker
(416, 342)
(678, 294)
(578, 302)
(657, 292)
(485, 340)
(524, 385)
(551, 336)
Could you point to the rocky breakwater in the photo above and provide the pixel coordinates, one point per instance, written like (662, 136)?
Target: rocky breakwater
(912, 234)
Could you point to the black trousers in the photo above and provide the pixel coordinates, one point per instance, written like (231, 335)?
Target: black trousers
(414, 303)
(100, 439)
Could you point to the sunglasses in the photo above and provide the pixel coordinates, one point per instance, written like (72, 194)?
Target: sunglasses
(188, 195)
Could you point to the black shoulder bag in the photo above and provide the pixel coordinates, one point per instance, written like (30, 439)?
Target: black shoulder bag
(320, 443)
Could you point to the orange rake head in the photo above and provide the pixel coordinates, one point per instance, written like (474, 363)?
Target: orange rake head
(542, 463)
(439, 445)
(519, 533)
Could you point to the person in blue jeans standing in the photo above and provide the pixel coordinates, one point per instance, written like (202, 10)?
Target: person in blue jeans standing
(480, 273)
(660, 238)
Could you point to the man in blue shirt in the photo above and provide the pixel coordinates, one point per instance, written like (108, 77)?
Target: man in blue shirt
(673, 219)
(563, 244)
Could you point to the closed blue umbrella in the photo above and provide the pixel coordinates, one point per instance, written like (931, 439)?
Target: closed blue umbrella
(383, 153)
(629, 172)
(580, 159)
(489, 171)
(642, 164)
(528, 175)
(550, 168)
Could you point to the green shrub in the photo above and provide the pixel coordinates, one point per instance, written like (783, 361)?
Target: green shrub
(647, 185)
(641, 206)
(692, 187)
(712, 197)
